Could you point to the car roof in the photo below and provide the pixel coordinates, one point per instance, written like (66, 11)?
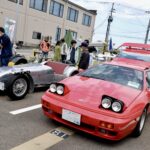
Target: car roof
(137, 45)
(130, 63)
(137, 48)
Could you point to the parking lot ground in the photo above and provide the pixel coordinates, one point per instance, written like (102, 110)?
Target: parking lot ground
(31, 130)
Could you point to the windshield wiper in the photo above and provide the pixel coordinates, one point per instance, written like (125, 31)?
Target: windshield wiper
(93, 76)
(87, 76)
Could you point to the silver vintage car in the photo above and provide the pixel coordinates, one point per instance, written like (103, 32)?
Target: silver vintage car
(17, 81)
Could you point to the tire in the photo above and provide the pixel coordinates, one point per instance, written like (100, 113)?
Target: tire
(140, 125)
(19, 88)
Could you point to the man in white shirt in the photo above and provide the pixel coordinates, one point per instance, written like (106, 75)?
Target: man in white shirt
(64, 50)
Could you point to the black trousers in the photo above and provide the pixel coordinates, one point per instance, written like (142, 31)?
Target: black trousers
(63, 58)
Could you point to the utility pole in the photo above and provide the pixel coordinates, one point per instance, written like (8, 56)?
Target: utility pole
(110, 20)
(147, 32)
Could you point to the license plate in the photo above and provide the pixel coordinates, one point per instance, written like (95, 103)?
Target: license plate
(1, 86)
(71, 116)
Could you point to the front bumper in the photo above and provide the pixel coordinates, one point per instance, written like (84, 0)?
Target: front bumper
(91, 122)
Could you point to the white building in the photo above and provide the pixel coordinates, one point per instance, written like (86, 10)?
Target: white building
(40, 18)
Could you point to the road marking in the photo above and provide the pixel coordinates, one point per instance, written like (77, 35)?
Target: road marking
(45, 141)
(20, 111)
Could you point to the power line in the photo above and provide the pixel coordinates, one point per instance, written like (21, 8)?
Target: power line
(122, 36)
(101, 24)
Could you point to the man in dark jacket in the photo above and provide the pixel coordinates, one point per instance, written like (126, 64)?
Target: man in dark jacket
(73, 51)
(85, 57)
(5, 47)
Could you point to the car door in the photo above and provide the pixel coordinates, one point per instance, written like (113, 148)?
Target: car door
(148, 86)
(46, 76)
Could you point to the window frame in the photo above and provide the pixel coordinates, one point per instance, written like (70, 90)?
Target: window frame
(42, 10)
(16, 1)
(148, 84)
(37, 35)
(84, 20)
(52, 6)
(72, 32)
(75, 16)
(58, 34)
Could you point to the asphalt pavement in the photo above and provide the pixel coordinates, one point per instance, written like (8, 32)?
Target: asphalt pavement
(29, 129)
(18, 129)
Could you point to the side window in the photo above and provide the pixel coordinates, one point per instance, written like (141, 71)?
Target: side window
(148, 79)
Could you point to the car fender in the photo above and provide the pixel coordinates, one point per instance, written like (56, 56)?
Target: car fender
(70, 71)
(18, 59)
(11, 77)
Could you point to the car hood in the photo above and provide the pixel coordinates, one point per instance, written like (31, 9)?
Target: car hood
(88, 91)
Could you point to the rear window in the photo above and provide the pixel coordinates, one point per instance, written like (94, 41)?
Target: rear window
(136, 56)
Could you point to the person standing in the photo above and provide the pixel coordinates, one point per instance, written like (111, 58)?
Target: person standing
(73, 51)
(57, 53)
(45, 47)
(87, 41)
(5, 48)
(64, 50)
(85, 57)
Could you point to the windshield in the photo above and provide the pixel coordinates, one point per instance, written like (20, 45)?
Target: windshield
(118, 74)
(130, 55)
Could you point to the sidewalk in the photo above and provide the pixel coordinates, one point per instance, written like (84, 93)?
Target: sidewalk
(28, 52)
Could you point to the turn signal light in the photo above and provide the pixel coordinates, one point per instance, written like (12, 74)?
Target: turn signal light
(110, 126)
(107, 125)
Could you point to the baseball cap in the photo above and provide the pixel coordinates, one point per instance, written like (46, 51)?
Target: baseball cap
(84, 44)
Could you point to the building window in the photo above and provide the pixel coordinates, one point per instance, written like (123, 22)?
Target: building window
(86, 20)
(39, 5)
(36, 35)
(72, 15)
(74, 34)
(56, 8)
(16, 1)
(58, 34)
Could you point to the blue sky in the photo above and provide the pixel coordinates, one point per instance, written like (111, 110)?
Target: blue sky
(130, 20)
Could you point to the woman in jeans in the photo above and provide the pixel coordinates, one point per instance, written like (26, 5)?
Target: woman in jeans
(45, 47)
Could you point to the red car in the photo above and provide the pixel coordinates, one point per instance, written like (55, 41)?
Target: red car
(110, 100)
(135, 51)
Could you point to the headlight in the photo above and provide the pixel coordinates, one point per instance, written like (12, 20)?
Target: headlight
(117, 106)
(60, 90)
(106, 103)
(53, 88)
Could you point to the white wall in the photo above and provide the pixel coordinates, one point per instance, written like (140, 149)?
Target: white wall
(30, 20)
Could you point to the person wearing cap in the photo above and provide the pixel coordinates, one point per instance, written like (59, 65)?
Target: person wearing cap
(85, 57)
(87, 41)
(5, 47)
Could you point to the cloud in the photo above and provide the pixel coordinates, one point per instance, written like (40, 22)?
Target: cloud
(130, 14)
(137, 4)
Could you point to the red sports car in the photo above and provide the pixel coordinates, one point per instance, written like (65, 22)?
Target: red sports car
(110, 100)
(135, 51)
